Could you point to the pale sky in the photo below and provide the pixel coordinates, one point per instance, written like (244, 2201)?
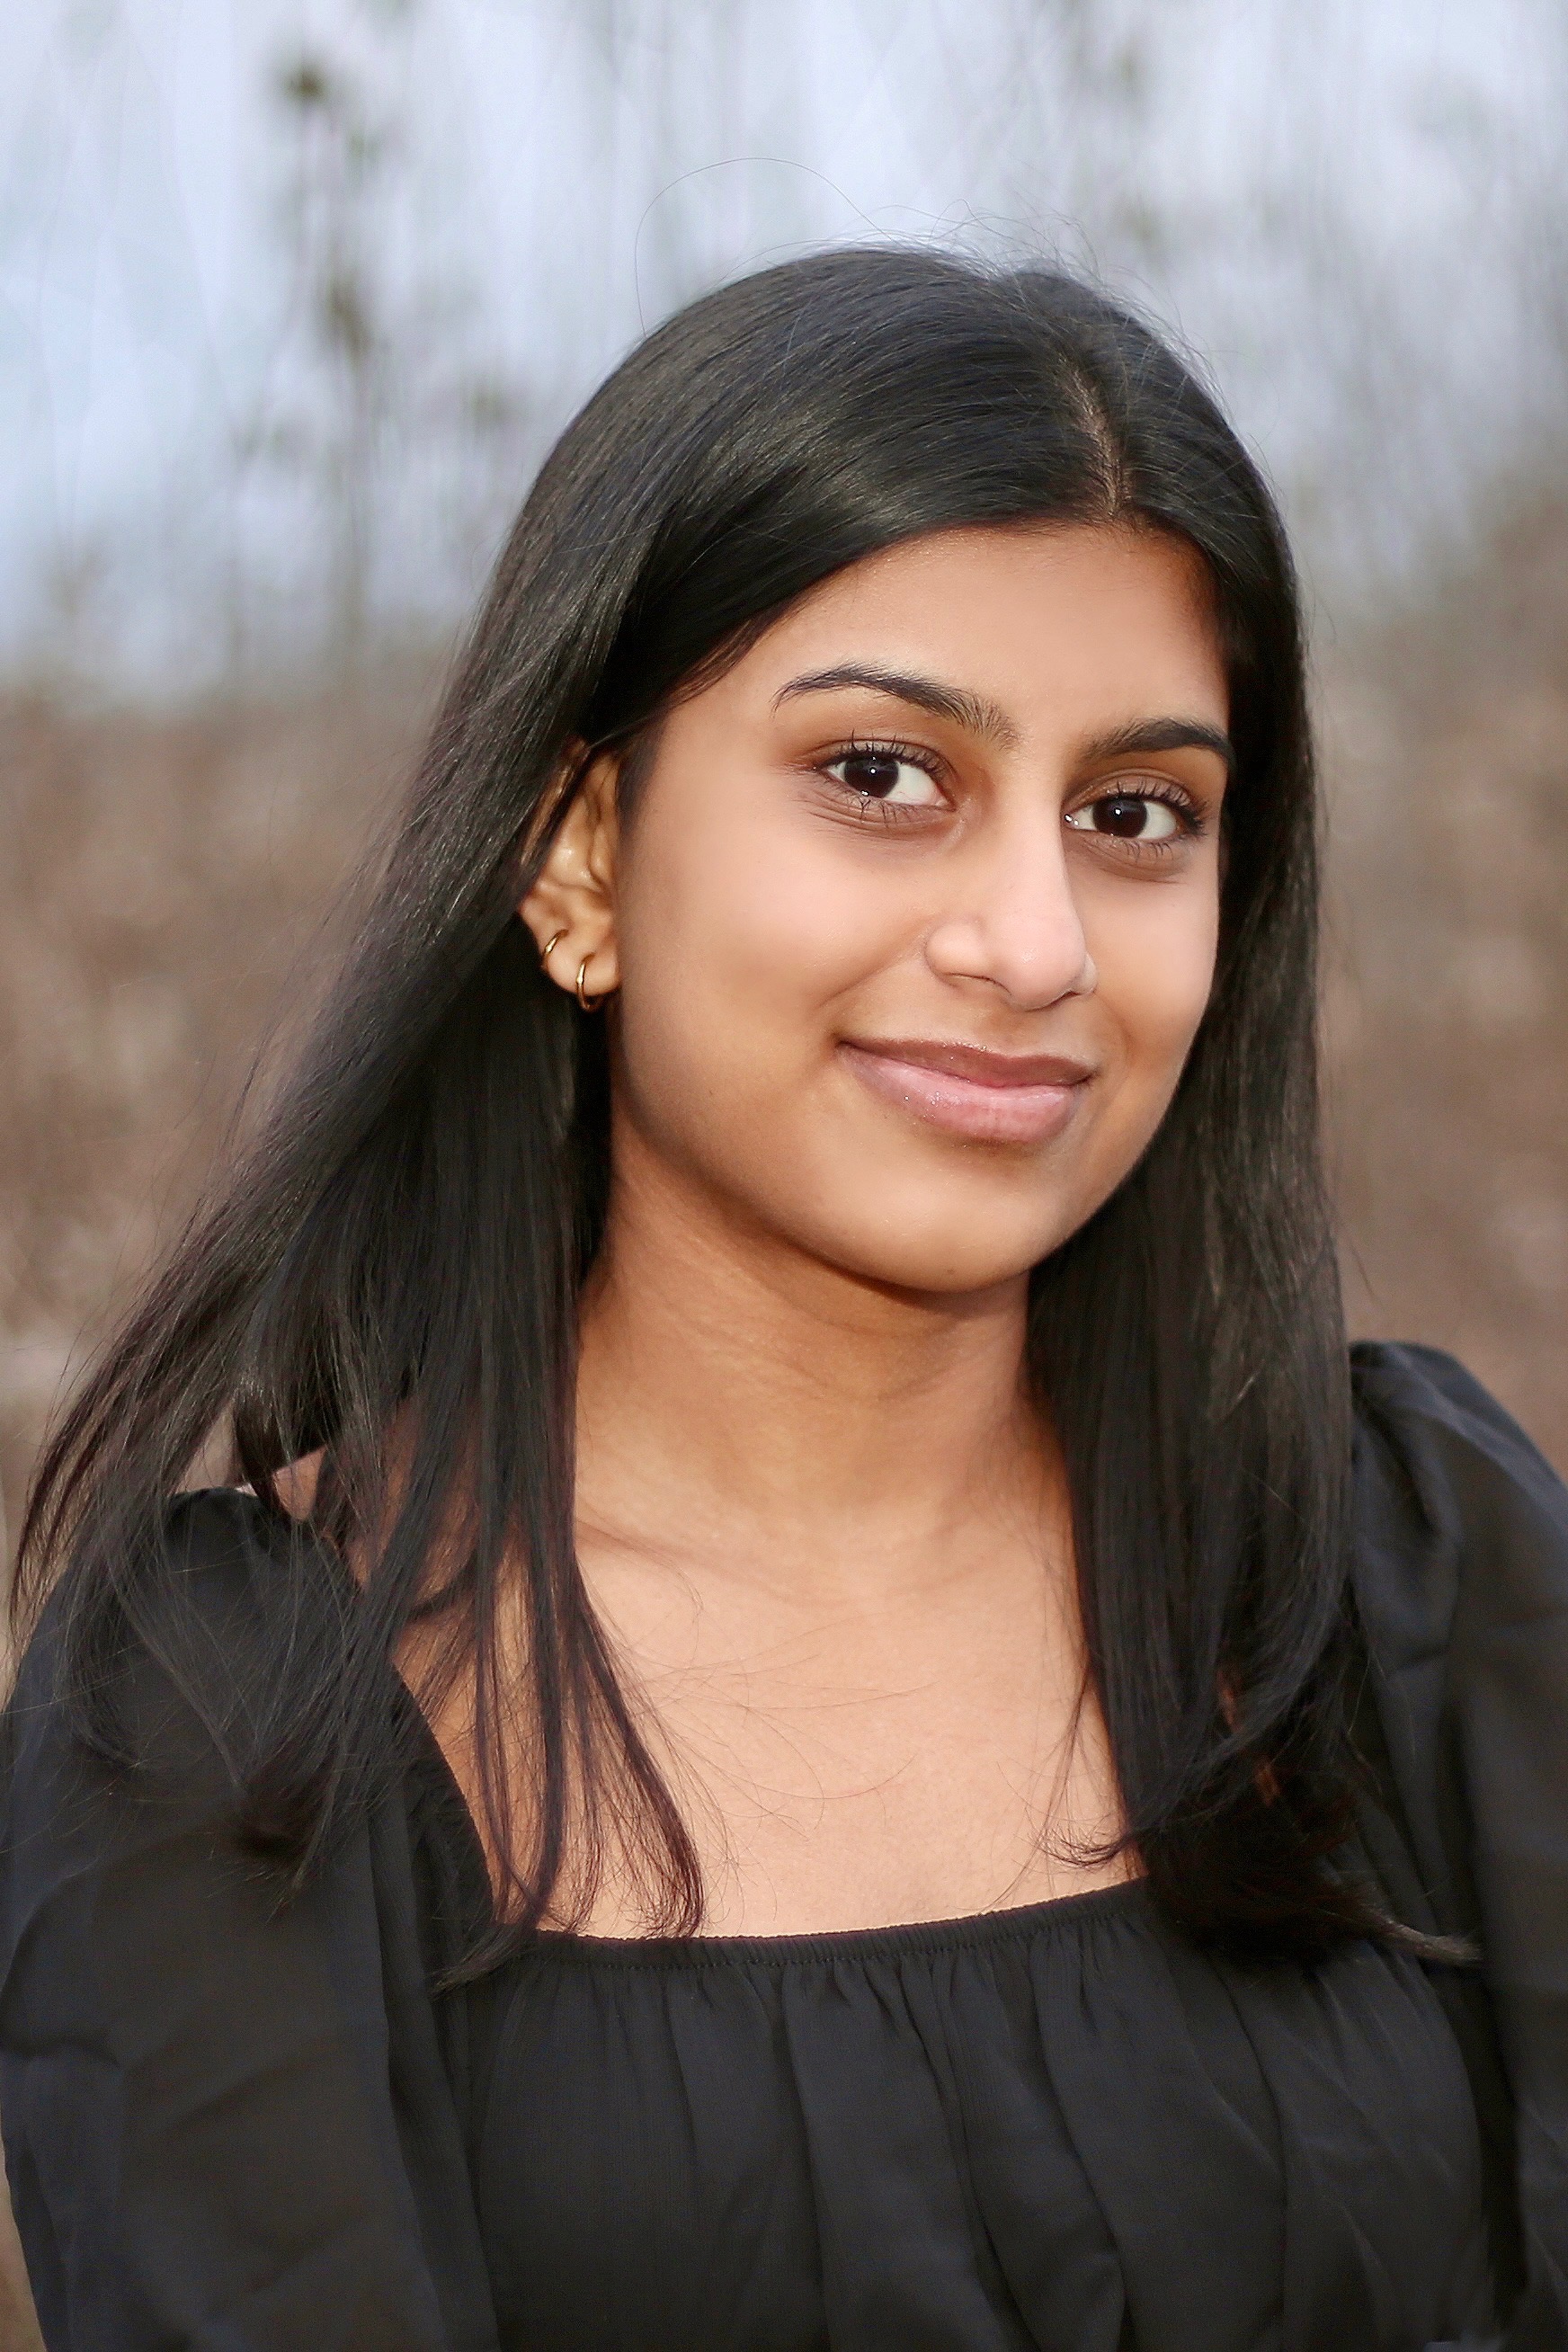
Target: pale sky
(1353, 209)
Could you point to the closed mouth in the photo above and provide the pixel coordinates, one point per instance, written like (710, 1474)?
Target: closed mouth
(974, 1092)
(982, 1066)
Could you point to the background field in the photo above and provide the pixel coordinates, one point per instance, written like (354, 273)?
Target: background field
(296, 293)
(168, 882)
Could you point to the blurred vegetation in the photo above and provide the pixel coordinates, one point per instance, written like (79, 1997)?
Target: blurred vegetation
(214, 695)
(168, 880)
(1446, 744)
(166, 889)
(172, 851)
(1366, 231)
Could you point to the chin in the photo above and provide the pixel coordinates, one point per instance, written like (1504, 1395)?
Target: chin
(931, 1261)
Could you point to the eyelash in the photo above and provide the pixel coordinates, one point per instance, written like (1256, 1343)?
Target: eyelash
(1151, 788)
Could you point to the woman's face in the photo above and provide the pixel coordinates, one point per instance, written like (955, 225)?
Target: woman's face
(915, 917)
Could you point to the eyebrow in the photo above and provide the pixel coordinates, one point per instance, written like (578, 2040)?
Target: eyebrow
(971, 711)
(980, 716)
(1162, 735)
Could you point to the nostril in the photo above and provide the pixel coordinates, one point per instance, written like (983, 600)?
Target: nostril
(1033, 967)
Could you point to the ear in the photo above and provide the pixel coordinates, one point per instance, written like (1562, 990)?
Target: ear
(572, 901)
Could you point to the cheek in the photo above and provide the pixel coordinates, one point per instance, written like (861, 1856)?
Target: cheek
(740, 932)
(1156, 961)
(736, 945)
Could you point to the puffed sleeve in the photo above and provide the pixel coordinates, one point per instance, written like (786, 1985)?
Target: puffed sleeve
(1462, 1584)
(226, 2122)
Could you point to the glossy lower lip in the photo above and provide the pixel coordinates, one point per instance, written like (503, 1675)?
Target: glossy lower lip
(997, 1108)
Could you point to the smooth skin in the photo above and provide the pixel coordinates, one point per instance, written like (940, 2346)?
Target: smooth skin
(904, 944)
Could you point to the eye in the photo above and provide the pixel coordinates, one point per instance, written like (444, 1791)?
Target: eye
(1142, 817)
(881, 771)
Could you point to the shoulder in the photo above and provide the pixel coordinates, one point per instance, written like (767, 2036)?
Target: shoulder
(223, 2094)
(1455, 1507)
(1423, 1409)
(168, 1660)
(1461, 1577)
(1459, 1571)
(214, 1568)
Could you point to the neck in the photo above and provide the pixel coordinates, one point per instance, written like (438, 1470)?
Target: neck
(739, 1398)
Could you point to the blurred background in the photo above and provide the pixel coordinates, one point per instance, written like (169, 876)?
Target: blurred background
(293, 296)
(295, 293)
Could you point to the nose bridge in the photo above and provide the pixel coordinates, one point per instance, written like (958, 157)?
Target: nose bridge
(1030, 927)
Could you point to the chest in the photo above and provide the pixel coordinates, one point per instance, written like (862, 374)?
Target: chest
(867, 1765)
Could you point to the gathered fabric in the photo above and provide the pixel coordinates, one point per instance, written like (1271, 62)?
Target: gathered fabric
(1056, 2128)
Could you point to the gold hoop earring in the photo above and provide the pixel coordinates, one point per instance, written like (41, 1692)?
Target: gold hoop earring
(588, 1003)
(548, 950)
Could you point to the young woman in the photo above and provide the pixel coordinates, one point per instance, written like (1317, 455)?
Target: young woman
(822, 1713)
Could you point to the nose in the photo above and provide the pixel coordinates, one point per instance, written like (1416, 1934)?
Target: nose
(1017, 928)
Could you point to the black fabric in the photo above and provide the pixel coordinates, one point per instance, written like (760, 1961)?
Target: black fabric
(238, 2127)
(1061, 2128)
(1462, 1576)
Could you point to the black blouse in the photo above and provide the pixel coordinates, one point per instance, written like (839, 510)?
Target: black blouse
(1056, 2126)
(240, 2129)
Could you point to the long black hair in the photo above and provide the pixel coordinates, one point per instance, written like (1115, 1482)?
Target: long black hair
(389, 1276)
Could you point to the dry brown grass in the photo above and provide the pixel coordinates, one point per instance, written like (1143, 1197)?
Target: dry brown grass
(1447, 748)
(165, 885)
(164, 876)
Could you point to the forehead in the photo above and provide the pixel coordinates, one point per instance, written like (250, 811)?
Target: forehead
(1071, 622)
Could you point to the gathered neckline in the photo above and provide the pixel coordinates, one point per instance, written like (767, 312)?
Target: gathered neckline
(836, 1943)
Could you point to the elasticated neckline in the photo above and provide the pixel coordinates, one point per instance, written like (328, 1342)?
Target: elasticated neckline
(847, 1944)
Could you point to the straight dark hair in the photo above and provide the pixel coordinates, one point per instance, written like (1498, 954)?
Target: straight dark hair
(391, 1272)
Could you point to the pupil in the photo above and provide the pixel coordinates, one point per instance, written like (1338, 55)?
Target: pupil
(872, 772)
(1125, 818)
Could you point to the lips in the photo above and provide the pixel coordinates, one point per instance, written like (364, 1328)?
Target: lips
(972, 1090)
